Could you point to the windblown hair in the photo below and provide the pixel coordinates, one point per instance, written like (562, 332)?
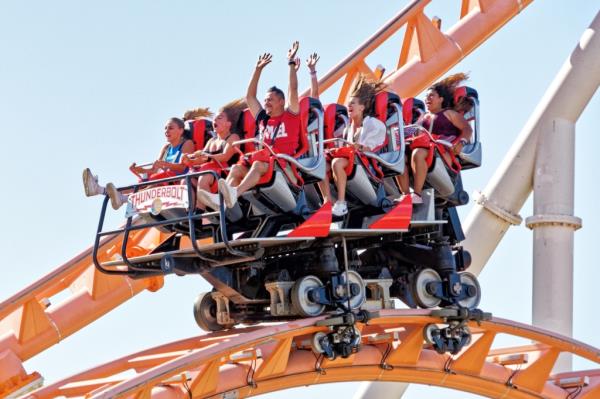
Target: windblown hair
(197, 113)
(233, 110)
(445, 89)
(365, 89)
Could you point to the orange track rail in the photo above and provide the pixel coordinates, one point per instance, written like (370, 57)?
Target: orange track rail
(28, 325)
(247, 362)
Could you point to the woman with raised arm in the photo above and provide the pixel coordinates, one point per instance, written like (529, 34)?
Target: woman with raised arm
(364, 133)
(219, 152)
(168, 164)
(444, 120)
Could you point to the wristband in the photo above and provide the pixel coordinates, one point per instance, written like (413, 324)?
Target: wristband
(291, 62)
(313, 72)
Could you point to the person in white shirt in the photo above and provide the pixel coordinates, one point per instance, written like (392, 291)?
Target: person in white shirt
(365, 133)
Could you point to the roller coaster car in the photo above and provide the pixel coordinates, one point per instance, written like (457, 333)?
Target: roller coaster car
(278, 255)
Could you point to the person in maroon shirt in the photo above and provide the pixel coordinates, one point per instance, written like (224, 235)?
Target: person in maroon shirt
(448, 124)
(279, 128)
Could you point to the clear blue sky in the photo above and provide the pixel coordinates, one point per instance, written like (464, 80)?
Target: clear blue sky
(91, 84)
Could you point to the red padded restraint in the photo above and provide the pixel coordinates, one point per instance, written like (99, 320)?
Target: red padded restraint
(407, 110)
(199, 133)
(303, 137)
(249, 127)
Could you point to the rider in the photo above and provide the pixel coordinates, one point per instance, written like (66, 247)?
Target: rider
(168, 164)
(365, 133)
(444, 120)
(219, 152)
(279, 127)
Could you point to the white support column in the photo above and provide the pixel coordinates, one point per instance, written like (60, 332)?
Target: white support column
(553, 225)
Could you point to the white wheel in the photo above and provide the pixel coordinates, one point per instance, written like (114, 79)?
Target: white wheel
(470, 279)
(425, 299)
(301, 302)
(428, 333)
(316, 344)
(205, 313)
(357, 300)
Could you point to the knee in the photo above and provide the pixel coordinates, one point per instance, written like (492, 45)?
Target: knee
(338, 165)
(260, 167)
(419, 154)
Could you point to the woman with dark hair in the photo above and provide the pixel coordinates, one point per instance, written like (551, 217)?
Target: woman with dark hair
(364, 133)
(444, 121)
(168, 164)
(218, 153)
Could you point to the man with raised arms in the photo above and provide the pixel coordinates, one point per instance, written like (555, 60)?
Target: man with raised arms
(278, 127)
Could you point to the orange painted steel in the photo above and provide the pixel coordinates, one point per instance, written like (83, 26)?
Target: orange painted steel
(30, 321)
(426, 52)
(252, 361)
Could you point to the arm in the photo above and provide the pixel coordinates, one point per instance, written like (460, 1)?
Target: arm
(251, 98)
(293, 83)
(465, 130)
(228, 151)
(311, 62)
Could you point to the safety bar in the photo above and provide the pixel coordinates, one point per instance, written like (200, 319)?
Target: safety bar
(191, 218)
(320, 148)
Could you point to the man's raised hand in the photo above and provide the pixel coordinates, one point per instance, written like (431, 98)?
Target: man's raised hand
(264, 60)
(292, 52)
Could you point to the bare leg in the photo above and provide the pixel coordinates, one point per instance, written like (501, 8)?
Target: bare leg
(419, 168)
(338, 165)
(236, 175)
(257, 170)
(325, 188)
(204, 184)
(404, 181)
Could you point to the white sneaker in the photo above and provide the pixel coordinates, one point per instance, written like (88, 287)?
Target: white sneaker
(400, 198)
(117, 199)
(90, 184)
(416, 199)
(340, 208)
(209, 199)
(229, 193)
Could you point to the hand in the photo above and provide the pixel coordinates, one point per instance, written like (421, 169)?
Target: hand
(264, 60)
(312, 60)
(457, 148)
(297, 63)
(292, 52)
(133, 167)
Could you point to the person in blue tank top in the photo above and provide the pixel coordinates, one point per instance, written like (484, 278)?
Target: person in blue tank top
(168, 164)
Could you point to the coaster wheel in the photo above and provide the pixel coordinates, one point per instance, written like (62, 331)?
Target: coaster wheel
(205, 313)
(301, 301)
(423, 298)
(470, 302)
(357, 300)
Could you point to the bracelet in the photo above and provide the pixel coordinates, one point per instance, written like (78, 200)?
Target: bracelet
(291, 62)
(463, 141)
(313, 72)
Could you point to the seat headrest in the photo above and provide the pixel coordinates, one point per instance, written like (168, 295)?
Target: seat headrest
(199, 131)
(382, 104)
(247, 125)
(332, 122)
(306, 104)
(412, 109)
(463, 91)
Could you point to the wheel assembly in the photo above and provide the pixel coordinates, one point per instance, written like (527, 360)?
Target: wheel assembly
(205, 313)
(302, 301)
(358, 293)
(423, 295)
(473, 290)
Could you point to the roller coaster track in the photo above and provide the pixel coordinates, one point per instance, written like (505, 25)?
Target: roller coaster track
(31, 322)
(252, 361)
